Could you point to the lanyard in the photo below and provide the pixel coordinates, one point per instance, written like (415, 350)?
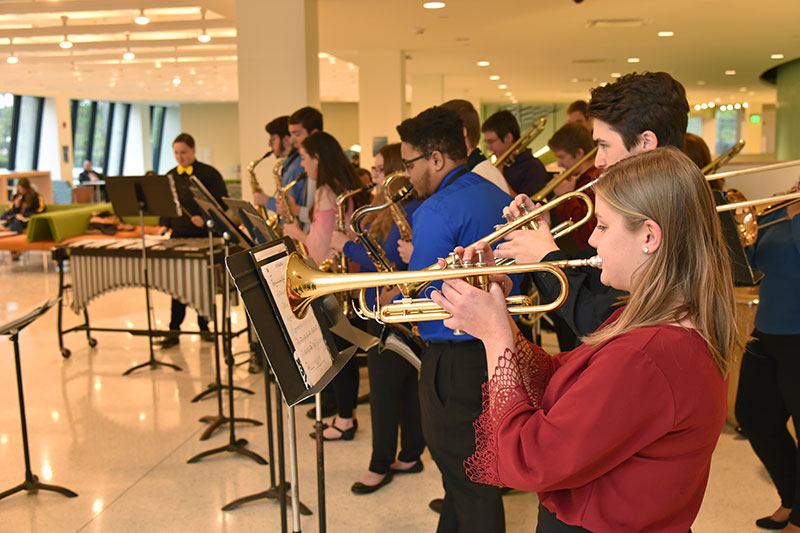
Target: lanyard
(456, 174)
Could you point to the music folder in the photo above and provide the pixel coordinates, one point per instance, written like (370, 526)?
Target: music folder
(301, 352)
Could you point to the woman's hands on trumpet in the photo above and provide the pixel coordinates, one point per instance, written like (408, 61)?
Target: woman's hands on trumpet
(526, 246)
(482, 314)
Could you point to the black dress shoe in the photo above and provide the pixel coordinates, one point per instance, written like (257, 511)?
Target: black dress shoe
(344, 434)
(768, 523)
(436, 505)
(206, 336)
(361, 488)
(416, 468)
(169, 341)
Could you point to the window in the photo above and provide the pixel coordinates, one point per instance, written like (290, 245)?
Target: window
(157, 131)
(727, 130)
(6, 129)
(81, 131)
(102, 127)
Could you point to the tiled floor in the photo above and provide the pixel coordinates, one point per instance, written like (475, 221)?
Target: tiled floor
(122, 443)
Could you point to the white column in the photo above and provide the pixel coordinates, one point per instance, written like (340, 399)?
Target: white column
(278, 72)
(381, 99)
(64, 117)
(427, 90)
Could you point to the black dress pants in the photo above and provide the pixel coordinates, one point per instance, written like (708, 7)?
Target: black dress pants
(394, 403)
(345, 384)
(178, 313)
(450, 400)
(769, 393)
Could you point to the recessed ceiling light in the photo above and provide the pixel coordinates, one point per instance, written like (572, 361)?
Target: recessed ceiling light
(508, 93)
(616, 75)
(697, 107)
(494, 77)
(322, 55)
(776, 56)
(502, 86)
(483, 63)
(737, 106)
(433, 5)
(745, 105)
(704, 106)
(142, 19)
(666, 34)
(717, 99)
(712, 104)
(633, 60)
(701, 82)
(574, 80)
(730, 73)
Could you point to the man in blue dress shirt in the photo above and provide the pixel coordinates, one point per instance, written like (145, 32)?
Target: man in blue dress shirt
(459, 208)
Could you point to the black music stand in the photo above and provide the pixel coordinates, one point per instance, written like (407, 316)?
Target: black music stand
(12, 329)
(150, 196)
(216, 221)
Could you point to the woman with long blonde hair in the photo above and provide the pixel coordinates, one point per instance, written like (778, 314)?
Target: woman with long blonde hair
(617, 435)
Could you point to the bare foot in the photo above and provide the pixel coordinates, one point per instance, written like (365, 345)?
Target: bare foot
(401, 465)
(341, 423)
(371, 478)
(781, 515)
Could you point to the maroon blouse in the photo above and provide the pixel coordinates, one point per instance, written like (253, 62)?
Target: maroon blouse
(613, 437)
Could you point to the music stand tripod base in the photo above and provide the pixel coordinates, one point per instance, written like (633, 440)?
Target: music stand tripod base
(31, 483)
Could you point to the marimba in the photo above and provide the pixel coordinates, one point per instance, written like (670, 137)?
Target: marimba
(178, 267)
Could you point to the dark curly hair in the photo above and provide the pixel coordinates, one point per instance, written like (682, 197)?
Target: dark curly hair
(435, 130)
(636, 103)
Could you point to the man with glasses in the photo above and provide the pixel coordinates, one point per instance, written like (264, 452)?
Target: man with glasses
(459, 207)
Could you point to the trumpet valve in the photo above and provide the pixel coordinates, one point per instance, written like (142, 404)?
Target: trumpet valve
(482, 282)
(532, 225)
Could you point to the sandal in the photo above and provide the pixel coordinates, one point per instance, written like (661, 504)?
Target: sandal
(344, 434)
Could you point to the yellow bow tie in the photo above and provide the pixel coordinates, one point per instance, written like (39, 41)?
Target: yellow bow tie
(185, 170)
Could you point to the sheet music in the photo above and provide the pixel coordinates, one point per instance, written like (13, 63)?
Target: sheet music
(311, 352)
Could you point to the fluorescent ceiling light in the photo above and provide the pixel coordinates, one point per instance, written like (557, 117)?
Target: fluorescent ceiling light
(494, 77)
(730, 73)
(434, 5)
(633, 60)
(483, 63)
(776, 56)
(666, 34)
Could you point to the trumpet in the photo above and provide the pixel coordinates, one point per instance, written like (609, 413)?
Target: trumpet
(304, 284)
(527, 221)
(254, 186)
(521, 144)
(555, 182)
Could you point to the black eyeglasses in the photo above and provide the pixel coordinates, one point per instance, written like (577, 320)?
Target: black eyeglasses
(408, 165)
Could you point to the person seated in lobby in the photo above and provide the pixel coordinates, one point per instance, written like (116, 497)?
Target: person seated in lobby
(89, 174)
(26, 202)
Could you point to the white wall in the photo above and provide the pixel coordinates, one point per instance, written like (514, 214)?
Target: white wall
(341, 121)
(215, 128)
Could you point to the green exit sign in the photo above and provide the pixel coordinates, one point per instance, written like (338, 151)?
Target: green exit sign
(755, 119)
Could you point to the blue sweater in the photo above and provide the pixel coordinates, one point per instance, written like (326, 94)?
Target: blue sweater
(356, 252)
(777, 255)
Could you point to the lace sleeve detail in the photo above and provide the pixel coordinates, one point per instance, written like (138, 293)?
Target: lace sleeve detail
(519, 378)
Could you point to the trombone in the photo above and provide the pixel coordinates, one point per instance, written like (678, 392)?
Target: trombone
(521, 144)
(723, 158)
(545, 191)
(304, 284)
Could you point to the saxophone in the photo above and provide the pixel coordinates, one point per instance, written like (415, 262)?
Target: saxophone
(397, 187)
(254, 186)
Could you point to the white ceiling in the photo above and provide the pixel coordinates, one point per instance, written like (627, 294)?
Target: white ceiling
(543, 50)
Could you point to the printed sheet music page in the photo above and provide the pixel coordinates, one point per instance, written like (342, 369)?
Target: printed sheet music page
(310, 350)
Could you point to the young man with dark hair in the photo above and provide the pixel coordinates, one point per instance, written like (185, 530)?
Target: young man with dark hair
(570, 144)
(527, 174)
(637, 113)
(302, 123)
(459, 208)
(476, 161)
(578, 113)
(280, 144)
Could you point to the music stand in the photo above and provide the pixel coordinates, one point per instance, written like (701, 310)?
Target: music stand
(260, 232)
(12, 329)
(151, 196)
(218, 222)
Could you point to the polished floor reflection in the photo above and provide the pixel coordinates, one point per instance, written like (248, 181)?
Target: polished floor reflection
(122, 443)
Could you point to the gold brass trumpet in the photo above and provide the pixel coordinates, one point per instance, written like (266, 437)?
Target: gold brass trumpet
(526, 221)
(305, 284)
(521, 144)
